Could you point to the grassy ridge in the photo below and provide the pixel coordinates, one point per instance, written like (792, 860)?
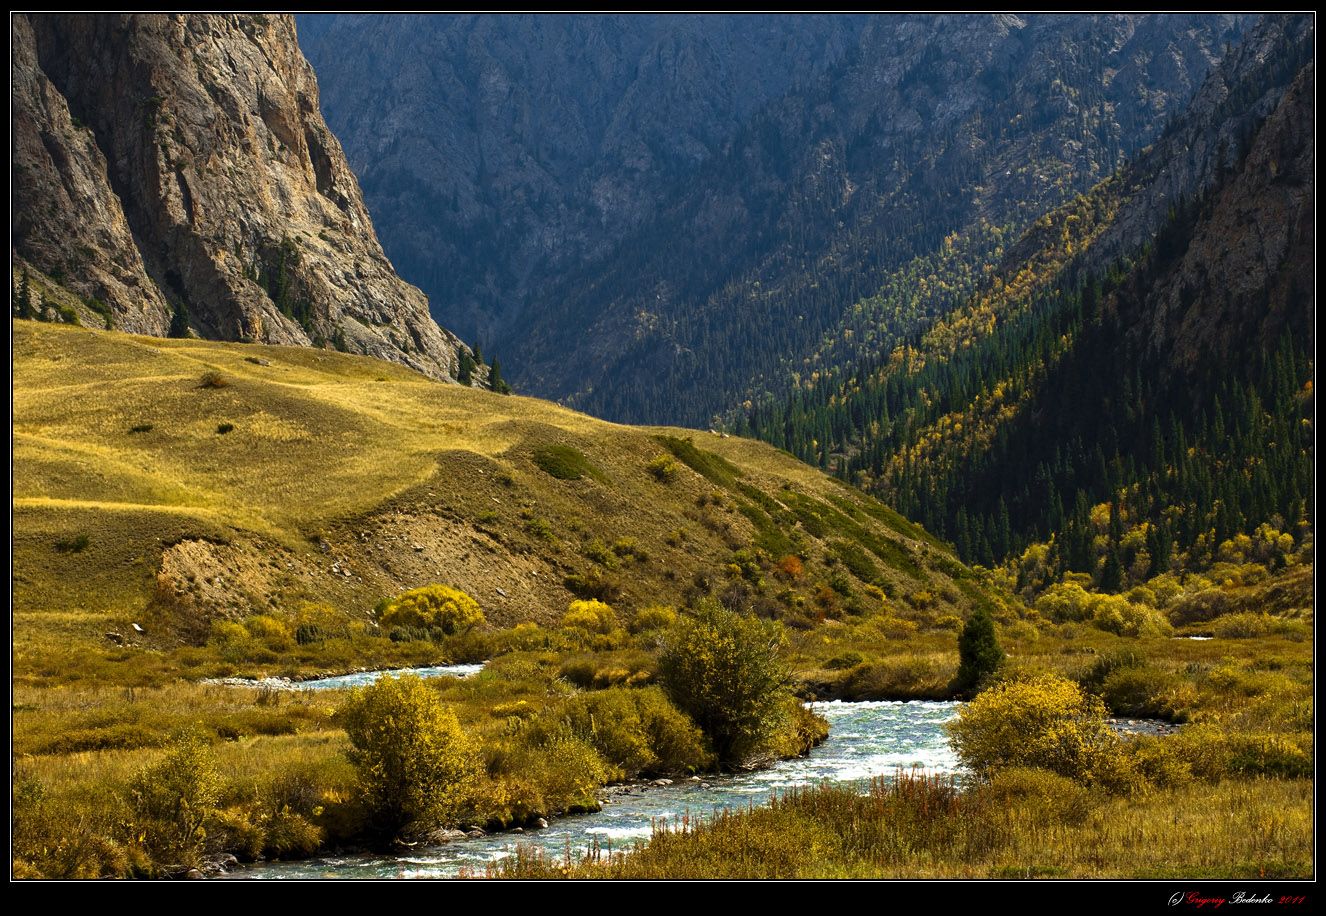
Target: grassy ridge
(342, 479)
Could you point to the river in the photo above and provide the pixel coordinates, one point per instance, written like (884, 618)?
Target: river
(865, 739)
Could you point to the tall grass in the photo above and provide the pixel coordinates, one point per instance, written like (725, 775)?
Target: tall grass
(918, 826)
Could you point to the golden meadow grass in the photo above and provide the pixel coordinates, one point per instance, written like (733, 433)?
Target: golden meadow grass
(1017, 827)
(339, 459)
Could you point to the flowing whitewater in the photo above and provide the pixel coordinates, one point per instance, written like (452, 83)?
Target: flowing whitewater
(865, 739)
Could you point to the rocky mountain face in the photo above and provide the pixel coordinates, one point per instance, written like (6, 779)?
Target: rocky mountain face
(672, 222)
(932, 130)
(175, 173)
(1244, 279)
(1208, 140)
(501, 151)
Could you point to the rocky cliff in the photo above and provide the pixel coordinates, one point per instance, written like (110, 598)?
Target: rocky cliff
(500, 151)
(931, 130)
(175, 172)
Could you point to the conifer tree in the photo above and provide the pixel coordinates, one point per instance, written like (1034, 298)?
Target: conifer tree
(979, 654)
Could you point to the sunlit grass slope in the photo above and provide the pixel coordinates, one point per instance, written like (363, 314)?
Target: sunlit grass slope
(172, 483)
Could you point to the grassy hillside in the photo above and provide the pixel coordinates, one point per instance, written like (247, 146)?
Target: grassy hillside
(176, 483)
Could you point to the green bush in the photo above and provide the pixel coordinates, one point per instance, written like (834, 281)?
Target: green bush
(1094, 677)
(1116, 614)
(979, 655)
(1249, 626)
(272, 632)
(415, 765)
(639, 731)
(592, 585)
(726, 671)
(1042, 796)
(562, 775)
(173, 801)
(309, 633)
(1140, 691)
(663, 468)
(76, 544)
(566, 463)
(849, 659)
(1285, 756)
(655, 617)
(433, 606)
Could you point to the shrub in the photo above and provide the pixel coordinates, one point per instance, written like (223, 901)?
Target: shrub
(1045, 722)
(1041, 796)
(433, 606)
(848, 659)
(592, 584)
(655, 617)
(1116, 614)
(790, 567)
(173, 800)
(1140, 691)
(224, 428)
(76, 544)
(1063, 602)
(566, 463)
(726, 671)
(639, 731)
(979, 655)
(1281, 756)
(591, 616)
(628, 549)
(213, 380)
(562, 774)
(1201, 606)
(601, 554)
(309, 633)
(541, 529)
(415, 765)
(1156, 760)
(271, 631)
(1246, 626)
(664, 468)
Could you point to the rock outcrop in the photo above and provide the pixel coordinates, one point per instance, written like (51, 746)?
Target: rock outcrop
(176, 169)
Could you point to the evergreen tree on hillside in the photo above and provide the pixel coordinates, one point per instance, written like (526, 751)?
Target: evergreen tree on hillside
(179, 321)
(465, 371)
(979, 654)
(25, 308)
(495, 380)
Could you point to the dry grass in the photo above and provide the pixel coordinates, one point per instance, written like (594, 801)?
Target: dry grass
(346, 480)
(397, 480)
(919, 828)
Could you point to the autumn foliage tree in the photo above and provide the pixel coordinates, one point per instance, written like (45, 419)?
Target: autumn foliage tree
(1046, 721)
(725, 670)
(415, 764)
(432, 607)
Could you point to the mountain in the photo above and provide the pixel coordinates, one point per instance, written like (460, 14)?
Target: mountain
(935, 131)
(183, 483)
(1132, 384)
(675, 221)
(173, 174)
(502, 151)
